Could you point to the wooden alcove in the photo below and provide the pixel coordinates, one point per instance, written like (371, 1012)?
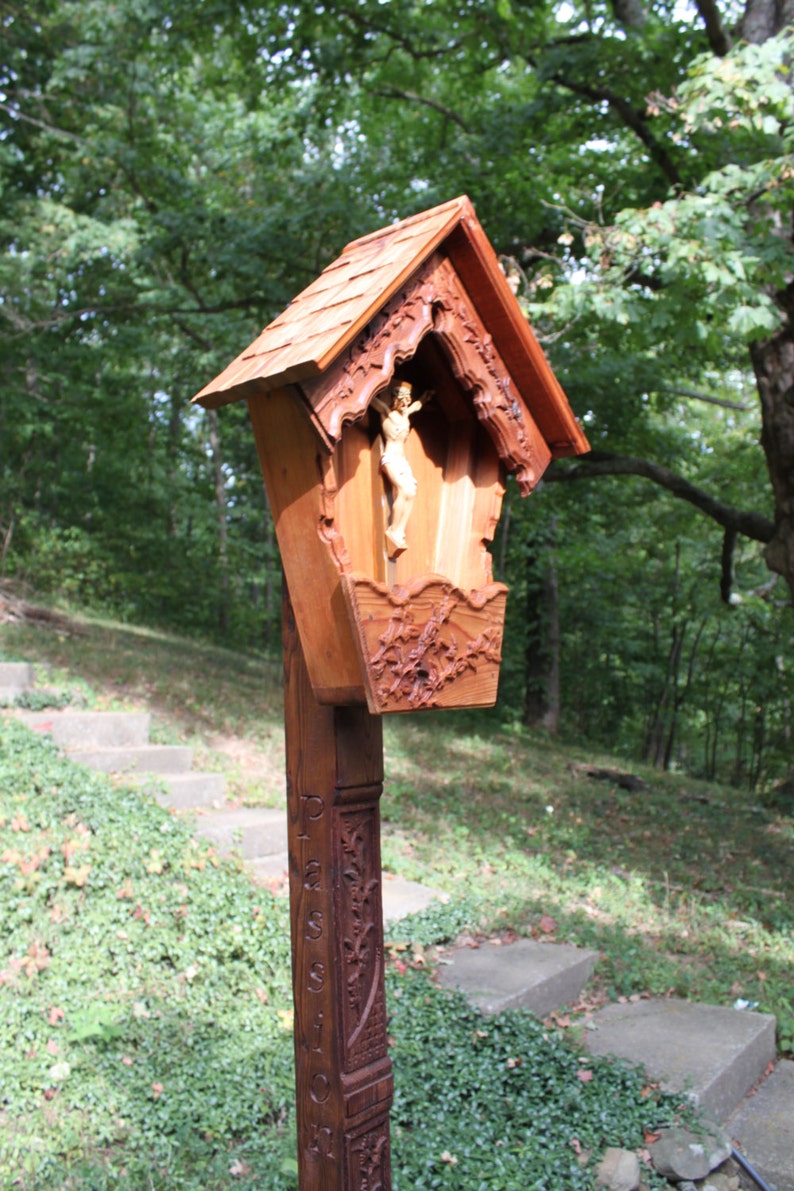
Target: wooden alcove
(423, 301)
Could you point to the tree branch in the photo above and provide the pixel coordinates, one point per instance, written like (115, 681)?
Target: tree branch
(719, 38)
(392, 92)
(749, 524)
(693, 393)
(632, 119)
(726, 565)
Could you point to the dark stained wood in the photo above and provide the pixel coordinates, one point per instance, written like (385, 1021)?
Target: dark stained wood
(344, 1082)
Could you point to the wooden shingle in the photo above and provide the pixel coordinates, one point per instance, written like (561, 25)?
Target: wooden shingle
(325, 318)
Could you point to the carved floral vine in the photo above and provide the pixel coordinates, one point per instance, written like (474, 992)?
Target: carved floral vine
(414, 664)
(360, 923)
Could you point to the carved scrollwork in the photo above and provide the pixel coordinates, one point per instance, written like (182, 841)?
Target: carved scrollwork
(415, 663)
(372, 1154)
(363, 1007)
(428, 644)
(434, 300)
(367, 365)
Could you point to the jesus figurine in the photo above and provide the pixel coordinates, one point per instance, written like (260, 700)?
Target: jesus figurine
(396, 426)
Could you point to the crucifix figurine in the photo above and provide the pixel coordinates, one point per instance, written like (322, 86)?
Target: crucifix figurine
(396, 426)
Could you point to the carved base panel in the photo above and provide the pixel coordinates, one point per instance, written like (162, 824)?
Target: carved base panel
(426, 644)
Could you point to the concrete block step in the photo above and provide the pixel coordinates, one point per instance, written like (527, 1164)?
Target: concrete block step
(525, 974)
(271, 870)
(184, 791)
(250, 831)
(91, 730)
(150, 758)
(15, 677)
(400, 896)
(762, 1128)
(711, 1053)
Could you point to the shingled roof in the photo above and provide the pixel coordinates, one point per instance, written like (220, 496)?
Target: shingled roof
(324, 319)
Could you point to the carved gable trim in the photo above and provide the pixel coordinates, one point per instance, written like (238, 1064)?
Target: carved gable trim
(435, 302)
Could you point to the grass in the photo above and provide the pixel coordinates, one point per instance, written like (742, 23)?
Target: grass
(683, 887)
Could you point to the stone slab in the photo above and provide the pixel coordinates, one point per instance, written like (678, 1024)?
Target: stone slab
(402, 897)
(151, 758)
(250, 831)
(91, 730)
(15, 677)
(525, 974)
(272, 870)
(762, 1128)
(710, 1053)
(184, 791)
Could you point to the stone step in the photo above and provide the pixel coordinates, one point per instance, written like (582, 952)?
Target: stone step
(150, 758)
(15, 677)
(185, 791)
(400, 897)
(762, 1128)
(525, 974)
(248, 830)
(91, 730)
(713, 1054)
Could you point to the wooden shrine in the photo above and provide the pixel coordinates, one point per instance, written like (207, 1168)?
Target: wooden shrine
(387, 401)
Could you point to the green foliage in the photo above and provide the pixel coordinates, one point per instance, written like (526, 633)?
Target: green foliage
(146, 1040)
(502, 1102)
(144, 986)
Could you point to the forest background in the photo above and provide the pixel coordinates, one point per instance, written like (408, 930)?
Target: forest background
(172, 174)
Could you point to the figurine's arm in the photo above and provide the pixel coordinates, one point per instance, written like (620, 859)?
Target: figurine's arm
(423, 400)
(380, 406)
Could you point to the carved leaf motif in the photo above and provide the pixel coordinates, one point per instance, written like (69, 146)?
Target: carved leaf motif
(417, 675)
(357, 942)
(371, 1151)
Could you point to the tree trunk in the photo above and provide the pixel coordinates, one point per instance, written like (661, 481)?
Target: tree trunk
(773, 362)
(542, 657)
(221, 512)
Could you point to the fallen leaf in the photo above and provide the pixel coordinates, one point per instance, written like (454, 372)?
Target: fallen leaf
(238, 1169)
(76, 876)
(450, 1159)
(56, 1015)
(157, 1090)
(514, 1063)
(20, 823)
(650, 1137)
(584, 1075)
(37, 959)
(547, 924)
(70, 846)
(262, 996)
(52, 1047)
(126, 890)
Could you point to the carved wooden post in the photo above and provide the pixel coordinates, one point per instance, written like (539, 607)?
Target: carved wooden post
(343, 1072)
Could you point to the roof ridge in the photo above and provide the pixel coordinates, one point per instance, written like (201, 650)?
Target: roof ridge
(462, 203)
